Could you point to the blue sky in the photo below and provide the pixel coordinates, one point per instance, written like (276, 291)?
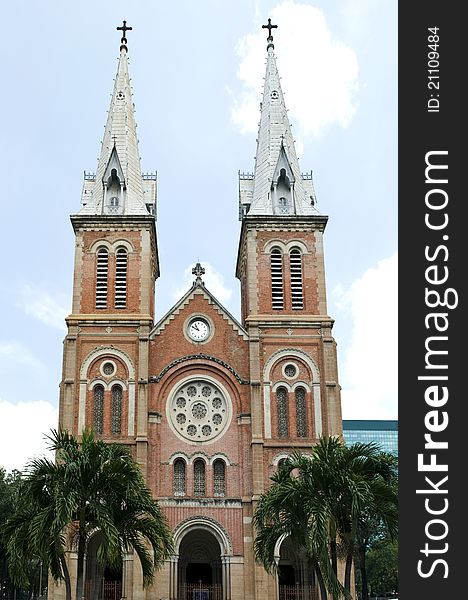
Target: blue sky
(197, 72)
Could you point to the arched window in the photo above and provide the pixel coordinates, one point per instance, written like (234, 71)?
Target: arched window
(116, 409)
(277, 292)
(301, 416)
(179, 477)
(199, 480)
(282, 411)
(219, 477)
(281, 463)
(297, 297)
(98, 408)
(121, 261)
(102, 272)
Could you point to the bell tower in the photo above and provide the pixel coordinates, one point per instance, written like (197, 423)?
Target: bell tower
(105, 361)
(295, 394)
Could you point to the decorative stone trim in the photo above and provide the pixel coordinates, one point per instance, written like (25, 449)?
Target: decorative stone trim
(200, 356)
(202, 522)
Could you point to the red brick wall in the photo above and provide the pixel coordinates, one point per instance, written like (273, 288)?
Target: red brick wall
(88, 289)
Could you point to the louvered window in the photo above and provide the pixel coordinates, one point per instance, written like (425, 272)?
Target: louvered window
(102, 272)
(297, 297)
(219, 477)
(98, 409)
(277, 291)
(121, 262)
(282, 411)
(301, 419)
(199, 484)
(179, 477)
(116, 409)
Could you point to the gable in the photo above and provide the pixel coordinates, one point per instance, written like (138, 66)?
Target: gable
(226, 342)
(212, 306)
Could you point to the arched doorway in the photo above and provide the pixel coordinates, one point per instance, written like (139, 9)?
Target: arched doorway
(101, 582)
(200, 567)
(296, 577)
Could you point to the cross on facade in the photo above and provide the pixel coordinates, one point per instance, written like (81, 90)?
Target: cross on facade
(198, 271)
(124, 30)
(269, 27)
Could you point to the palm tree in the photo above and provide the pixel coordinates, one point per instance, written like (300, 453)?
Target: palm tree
(319, 501)
(91, 486)
(31, 536)
(379, 523)
(294, 506)
(371, 492)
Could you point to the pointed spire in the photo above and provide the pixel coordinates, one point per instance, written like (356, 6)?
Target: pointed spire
(278, 185)
(118, 177)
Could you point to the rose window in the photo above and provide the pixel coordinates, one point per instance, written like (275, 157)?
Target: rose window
(199, 410)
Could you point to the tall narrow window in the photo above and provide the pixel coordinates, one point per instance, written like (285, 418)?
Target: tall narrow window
(199, 483)
(219, 477)
(116, 409)
(121, 260)
(277, 292)
(297, 297)
(98, 409)
(301, 418)
(102, 272)
(282, 411)
(179, 477)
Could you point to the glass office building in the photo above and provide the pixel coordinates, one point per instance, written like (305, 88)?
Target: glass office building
(382, 432)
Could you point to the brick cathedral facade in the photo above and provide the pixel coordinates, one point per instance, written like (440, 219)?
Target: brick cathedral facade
(209, 405)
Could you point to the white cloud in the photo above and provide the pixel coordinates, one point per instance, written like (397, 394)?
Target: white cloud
(370, 369)
(23, 427)
(12, 352)
(212, 279)
(319, 72)
(41, 305)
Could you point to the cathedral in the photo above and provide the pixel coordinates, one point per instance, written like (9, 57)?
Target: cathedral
(208, 405)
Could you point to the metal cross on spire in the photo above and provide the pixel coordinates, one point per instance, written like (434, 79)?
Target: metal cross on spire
(123, 39)
(270, 37)
(198, 271)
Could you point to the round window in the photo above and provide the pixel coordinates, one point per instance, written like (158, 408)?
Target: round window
(108, 368)
(290, 370)
(199, 410)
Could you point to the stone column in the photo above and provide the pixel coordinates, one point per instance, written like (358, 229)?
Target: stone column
(277, 559)
(226, 577)
(173, 576)
(127, 577)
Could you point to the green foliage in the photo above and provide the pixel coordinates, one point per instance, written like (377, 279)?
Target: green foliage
(34, 570)
(91, 486)
(321, 501)
(382, 568)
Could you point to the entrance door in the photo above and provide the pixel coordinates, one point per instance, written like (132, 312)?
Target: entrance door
(200, 576)
(101, 583)
(199, 573)
(296, 581)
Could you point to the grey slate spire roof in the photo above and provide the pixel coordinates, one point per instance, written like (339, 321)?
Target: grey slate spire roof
(275, 152)
(119, 154)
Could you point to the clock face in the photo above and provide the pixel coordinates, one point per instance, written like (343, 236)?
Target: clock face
(198, 329)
